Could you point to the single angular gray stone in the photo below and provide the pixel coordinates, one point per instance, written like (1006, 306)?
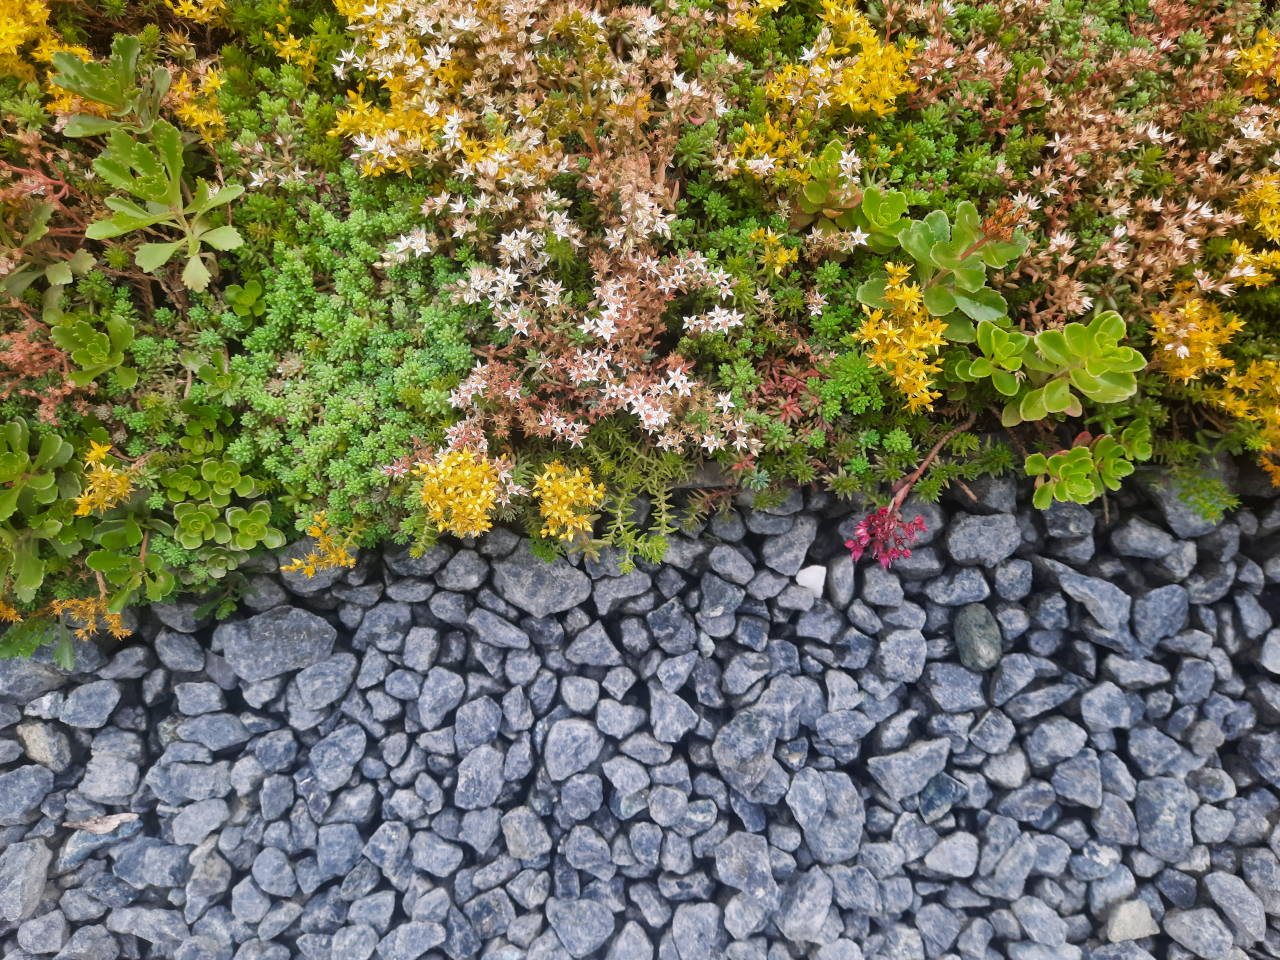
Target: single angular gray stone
(805, 904)
(93, 942)
(197, 698)
(732, 565)
(525, 834)
(956, 855)
(669, 715)
(435, 855)
(109, 779)
(538, 587)
(672, 627)
(383, 625)
(23, 680)
(274, 874)
(572, 746)
(334, 758)
(217, 731)
(743, 750)
(356, 942)
(198, 820)
(495, 631)
(90, 706)
(784, 553)
(582, 925)
(338, 849)
(164, 928)
(985, 541)
(22, 791)
(278, 641)
(326, 682)
(631, 943)
(960, 586)
(1163, 811)
(901, 656)
(408, 941)
(1105, 601)
(953, 688)
(1238, 904)
(403, 563)
(1159, 614)
(698, 931)
(180, 652)
(1200, 931)
(1040, 922)
(442, 691)
(1138, 538)
(594, 648)
(22, 877)
(905, 773)
(881, 587)
(742, 862)
(480, 778)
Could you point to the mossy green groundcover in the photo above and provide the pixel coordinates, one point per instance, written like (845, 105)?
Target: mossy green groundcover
(392, 269)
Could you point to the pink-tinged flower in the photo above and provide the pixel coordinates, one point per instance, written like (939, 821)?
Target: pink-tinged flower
(885, 534)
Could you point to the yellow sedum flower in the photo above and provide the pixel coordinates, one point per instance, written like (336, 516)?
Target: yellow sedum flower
(1256, 63)
(25, 34)
(105, 486)
(198, 109)
(459, 490)
(1188, 341)
(902, 341)
(847, 66)
(1255, 266)
(1261, 205)
(329, 551)
(566, 500)
(209, 12)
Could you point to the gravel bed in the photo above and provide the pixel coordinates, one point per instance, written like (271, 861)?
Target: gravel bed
(1044, 737)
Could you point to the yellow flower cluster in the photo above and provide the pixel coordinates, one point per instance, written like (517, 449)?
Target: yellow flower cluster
(329, 551)
(567, 498)
(1263, 263)
(87, 611)
(776, 256)
(105, 485)
(1257, 63)
(825, 83)
(417, 81)
(1261, 205)
(459, 489)
(1254, 395)
(291, 49)
(1188, 341)
(210, 12)
(198, 109)
(25, 24)
(902, 341)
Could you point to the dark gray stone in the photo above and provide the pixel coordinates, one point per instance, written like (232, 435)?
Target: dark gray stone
(278, 641)
(22, 876)
(1163, 811)
(985, 541)
(21, 792)
(571, 747)
(905, 773)
(582, 925)
(538, 587)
